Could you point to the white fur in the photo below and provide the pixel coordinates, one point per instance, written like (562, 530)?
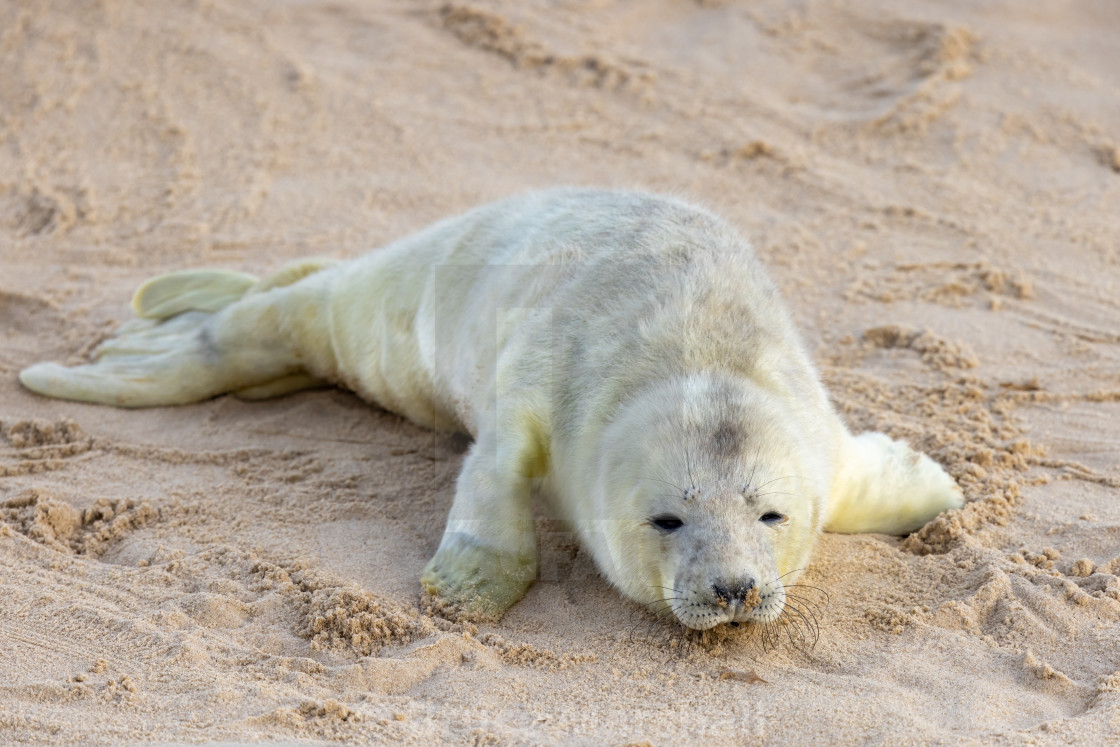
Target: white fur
(627, 352)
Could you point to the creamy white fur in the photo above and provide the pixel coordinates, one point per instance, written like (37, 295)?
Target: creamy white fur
(626, 352)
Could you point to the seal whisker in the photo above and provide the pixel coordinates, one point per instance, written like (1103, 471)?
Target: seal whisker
(670, 588)
(633, 627)
(768, 636)
(804, 629)
(778, 492)
(815, 630)
(662, 601)
(686, 643)
(660, 613)
(666, 495)
(650, 643)
(809, 597)
(775, 635)
(666, 482)
(806, 586)
(688, 465)
(799, 594)
(782, 625)
(677, 642)
(803, 609)
(759, 640)
(636, 611)
(805, 645)
(654, 623)
(793, 644)
(754, 468)
(812, 625)
(807, 603)
(784, 477)
(654, 617)
(779, 578)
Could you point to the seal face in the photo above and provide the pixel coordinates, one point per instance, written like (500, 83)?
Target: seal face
(623, 351)
(725, 493)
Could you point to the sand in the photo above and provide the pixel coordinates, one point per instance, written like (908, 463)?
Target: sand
(934, 186)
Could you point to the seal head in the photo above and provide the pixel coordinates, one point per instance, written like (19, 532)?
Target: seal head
(721, 501)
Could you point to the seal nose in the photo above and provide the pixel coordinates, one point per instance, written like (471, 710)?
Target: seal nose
(736, 591)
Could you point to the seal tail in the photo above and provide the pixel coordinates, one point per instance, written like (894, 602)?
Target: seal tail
(201, 333)
(882, 485)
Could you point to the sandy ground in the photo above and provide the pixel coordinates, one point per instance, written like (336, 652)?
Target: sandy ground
(935, 187)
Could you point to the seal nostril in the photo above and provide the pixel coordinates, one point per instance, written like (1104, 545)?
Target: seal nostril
(736, 592)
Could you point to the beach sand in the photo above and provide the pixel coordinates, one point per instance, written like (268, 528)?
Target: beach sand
(935, 187)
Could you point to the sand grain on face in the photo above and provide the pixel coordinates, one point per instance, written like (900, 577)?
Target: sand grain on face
(933, 187)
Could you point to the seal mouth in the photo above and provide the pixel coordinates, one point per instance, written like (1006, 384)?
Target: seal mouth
(704, 612)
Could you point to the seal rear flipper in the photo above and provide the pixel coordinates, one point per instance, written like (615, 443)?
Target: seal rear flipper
(259, 344)
(165, 296)
(292, 273)
(139, 368)
(882, 485)
(280, 387)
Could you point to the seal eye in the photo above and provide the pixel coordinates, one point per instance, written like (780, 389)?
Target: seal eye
(666, 523)
(772, 518)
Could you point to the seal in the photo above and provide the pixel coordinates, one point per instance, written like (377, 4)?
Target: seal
(624, 352)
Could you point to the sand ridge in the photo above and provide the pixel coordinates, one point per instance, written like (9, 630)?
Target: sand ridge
(934, 187)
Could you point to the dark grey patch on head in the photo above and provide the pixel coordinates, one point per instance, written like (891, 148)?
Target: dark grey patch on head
(727, 440)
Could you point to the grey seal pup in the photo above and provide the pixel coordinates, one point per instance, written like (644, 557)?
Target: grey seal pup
(625, 352)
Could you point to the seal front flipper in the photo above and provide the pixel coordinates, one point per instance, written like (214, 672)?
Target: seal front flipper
(882, 485)
(482, 582)
(487, 558)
